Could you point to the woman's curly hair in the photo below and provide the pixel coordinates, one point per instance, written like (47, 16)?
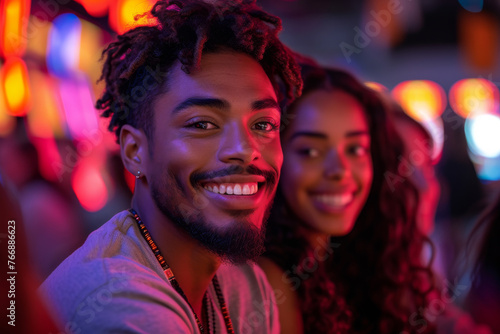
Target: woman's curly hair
(137, 65)
(372, 280)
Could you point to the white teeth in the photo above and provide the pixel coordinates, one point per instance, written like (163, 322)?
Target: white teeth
(233, 188)
(336, 200)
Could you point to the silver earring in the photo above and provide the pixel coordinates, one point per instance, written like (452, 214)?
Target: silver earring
(138, 174)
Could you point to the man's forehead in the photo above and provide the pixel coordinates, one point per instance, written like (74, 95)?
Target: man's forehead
(222, 69)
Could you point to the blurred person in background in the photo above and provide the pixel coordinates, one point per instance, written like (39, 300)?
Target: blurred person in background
(52, 225)
(483, 299)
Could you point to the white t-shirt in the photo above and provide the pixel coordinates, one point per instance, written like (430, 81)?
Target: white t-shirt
(114, 284)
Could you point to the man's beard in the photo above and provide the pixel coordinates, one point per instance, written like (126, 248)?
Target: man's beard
(237, 243)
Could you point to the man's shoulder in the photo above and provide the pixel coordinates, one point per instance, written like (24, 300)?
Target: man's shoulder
(103, 284)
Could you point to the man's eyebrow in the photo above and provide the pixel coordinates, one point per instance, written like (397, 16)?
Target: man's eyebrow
(201, 102)
(268, 103)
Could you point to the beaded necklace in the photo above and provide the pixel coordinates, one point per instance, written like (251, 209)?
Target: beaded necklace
(173, 281)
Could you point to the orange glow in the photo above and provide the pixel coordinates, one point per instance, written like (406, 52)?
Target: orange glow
(13, 30)
(376, 86)
(89, 186)
(91, 44)
(477, 96)
(96, 8)
(7, 122)
(478, 39)
(123, 12)
(15, 86)
(420, 99)
(44, 118)
(39, 34)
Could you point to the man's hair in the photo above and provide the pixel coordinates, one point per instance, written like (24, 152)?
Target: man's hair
(137, 65)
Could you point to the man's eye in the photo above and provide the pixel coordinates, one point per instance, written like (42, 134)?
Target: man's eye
(265, 126)
(203, 125)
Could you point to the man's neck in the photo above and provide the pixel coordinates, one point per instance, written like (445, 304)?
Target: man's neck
(192, 264)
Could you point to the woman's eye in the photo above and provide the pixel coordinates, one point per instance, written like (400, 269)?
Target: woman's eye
(203, 125)
(265, 126)
(358, 150)
(309, 152)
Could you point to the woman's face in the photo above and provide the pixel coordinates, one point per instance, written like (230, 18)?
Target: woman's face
(327, 170)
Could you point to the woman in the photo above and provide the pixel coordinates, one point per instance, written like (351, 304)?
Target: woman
(483, 299)
(343, 245)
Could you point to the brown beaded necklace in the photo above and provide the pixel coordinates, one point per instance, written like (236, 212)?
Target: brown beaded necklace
(173, 281)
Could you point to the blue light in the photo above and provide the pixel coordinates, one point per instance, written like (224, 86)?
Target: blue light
(63, 50)
(474, 6)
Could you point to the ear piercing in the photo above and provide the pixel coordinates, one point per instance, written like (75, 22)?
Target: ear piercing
(138, 174)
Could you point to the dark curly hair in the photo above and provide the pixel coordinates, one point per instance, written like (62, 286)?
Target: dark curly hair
(137, 65)
(374, 279)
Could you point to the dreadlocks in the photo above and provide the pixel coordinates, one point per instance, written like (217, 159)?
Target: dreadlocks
(137, 65)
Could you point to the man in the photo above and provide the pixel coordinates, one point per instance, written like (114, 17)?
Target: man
(195, 103)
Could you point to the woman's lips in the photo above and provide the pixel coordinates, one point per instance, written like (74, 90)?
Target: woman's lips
(333, 202)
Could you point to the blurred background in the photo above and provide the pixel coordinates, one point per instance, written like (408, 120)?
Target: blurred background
(438, 58)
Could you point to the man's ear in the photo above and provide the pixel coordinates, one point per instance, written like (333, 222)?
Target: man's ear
(134, 150)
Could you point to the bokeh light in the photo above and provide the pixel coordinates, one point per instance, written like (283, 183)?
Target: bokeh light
(13, 25)
(420, 99)
(89, 187)
(478, 96)
(483, 135)
(63, 53)
(123, 14)
(15, 87)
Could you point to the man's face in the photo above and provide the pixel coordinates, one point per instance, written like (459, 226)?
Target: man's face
(216, 153)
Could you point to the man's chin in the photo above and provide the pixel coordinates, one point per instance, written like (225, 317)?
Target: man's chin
(240, 241)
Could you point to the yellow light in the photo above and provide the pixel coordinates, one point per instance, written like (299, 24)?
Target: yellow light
(421, 99)
(13, 32)
(7, 122)
(478, 96)
(15, 86)
(123, 13)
